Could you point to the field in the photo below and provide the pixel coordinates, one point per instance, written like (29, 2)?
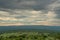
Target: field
(30, 36)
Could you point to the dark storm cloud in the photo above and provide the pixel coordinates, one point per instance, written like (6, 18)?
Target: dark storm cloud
(25, 4)
(57, 11)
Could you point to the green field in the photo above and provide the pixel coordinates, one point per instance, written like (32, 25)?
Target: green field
(30, 36)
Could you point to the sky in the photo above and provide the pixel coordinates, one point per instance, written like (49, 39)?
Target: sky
(29, 12)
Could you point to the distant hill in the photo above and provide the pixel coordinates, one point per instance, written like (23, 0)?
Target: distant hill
(29, 27)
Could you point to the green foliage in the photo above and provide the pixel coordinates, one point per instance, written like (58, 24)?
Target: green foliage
(29, 36)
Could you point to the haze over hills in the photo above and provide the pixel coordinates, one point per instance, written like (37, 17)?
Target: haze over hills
(31, 27)
(18, 24)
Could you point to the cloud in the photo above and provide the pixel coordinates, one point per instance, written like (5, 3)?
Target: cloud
(30, 12)
(27, 17)
(25, 4)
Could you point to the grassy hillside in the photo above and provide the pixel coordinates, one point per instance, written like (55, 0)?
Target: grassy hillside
(29, 36)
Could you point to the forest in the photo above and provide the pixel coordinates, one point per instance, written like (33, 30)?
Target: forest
(29, 35)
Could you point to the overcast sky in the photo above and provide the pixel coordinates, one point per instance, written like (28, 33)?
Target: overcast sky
(30, 12)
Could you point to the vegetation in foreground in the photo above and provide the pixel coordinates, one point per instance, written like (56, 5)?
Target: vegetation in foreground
(29, 36)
